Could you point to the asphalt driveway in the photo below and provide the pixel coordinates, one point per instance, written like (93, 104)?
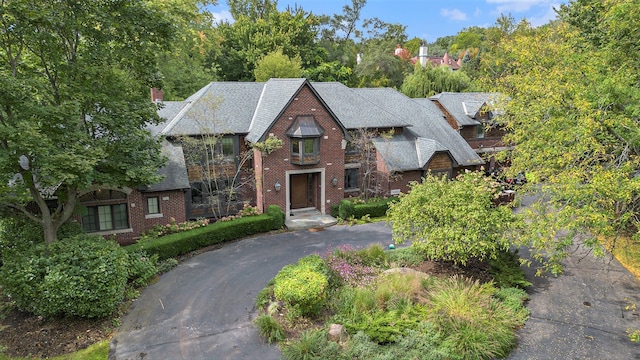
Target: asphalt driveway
(204, 308)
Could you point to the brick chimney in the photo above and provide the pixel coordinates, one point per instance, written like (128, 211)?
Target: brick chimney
(156, 95)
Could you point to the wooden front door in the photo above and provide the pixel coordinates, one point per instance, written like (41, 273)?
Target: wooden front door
(302, 191)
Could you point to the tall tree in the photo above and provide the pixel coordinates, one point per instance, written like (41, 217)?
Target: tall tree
(74, 101)
(244, 42)
(574, 121)
(183, 68)
(430, 80)
(277, 65)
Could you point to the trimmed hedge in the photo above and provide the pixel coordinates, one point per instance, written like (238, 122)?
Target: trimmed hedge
(374, 208)
(174, 245)
(278, 216)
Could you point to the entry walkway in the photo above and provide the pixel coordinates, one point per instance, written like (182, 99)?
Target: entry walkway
(308, 219)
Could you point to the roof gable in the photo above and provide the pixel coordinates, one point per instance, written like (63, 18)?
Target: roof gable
(464, 107)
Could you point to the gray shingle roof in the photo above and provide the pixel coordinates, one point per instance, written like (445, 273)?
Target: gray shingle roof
(426, 120)
(464, 106)
(276, 94)
(398, 152)
(174, 173)
(354, 110)
(220, 107)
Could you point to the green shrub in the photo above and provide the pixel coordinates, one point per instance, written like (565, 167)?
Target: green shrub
(513, 299)
(17, 231)
(335, 210)
(506, 270)
(313, 344)
(269, 329)
(346, 209)
(141, 267)
(174, 245)
(473, 324)
(373, 208)
(80, 276)
(277, 215)
(405, 257)
(166, 265)
(302, 289)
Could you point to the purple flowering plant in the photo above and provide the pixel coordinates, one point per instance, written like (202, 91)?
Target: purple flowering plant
(346, 265)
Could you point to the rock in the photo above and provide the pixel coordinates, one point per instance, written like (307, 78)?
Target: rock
(337, 333)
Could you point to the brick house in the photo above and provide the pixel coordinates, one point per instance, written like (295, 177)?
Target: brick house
(315, 168)
(471, 114)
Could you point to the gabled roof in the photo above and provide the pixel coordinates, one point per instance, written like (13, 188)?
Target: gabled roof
(354, 110)
(275, 96)
(464, 107)
(219, 107)
(426, 121)
(174, 173)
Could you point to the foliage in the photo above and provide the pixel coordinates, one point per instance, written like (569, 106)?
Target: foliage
(430, 80)
(277, 65)
(141, 268)
(243, 43)
(506, 270)
(277, 215)
(172, 228)
(174, 245)
(80, 276)
(313, 344)
(573, 120)
(453, 219)
(405, 257)
(346, 209)
(302, 286)
(401, 316)
(75, 104)
(473, 324)
(18, 232)
(354, 267)
(269, 329)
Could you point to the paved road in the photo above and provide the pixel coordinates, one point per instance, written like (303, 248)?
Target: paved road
(203, 308)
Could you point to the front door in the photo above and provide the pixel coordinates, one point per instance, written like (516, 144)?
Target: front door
(302, 191)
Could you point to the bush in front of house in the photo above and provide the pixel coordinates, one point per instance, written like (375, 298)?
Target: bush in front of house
(373, 208)
(174, 245)
(81, 276)
(141, 268)
(346, 209)
(278, 216)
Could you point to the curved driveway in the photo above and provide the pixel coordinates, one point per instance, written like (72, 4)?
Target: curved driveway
(203, 308)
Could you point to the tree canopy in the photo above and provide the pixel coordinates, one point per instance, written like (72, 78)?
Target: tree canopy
(277, 65)
(573, 118)
(74, 101)
(453, 220)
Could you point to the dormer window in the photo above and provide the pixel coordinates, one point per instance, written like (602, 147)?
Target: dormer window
(304, 135)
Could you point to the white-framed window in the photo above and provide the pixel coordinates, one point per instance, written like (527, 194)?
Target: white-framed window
(105, 217)
(153, 205)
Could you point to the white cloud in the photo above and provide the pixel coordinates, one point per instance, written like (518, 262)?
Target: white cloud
(221, 16)
(477, 13)
(516, 6)
(545, 17)
(453, 14)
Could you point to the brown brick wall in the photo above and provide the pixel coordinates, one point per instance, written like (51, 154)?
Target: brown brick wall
(469, 132)
(275, 165)
(447, 115)
(172, 206)
(440, 161)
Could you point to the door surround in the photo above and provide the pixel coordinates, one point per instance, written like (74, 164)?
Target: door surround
(321, 172)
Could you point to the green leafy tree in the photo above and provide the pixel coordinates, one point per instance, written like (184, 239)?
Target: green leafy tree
(74, 101)
(574, 122)
(243, 43)
(184, 69)
(453, 220)
(430, 80)
(277, 65)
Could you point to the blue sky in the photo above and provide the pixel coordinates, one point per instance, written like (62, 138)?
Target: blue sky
(428, 19)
